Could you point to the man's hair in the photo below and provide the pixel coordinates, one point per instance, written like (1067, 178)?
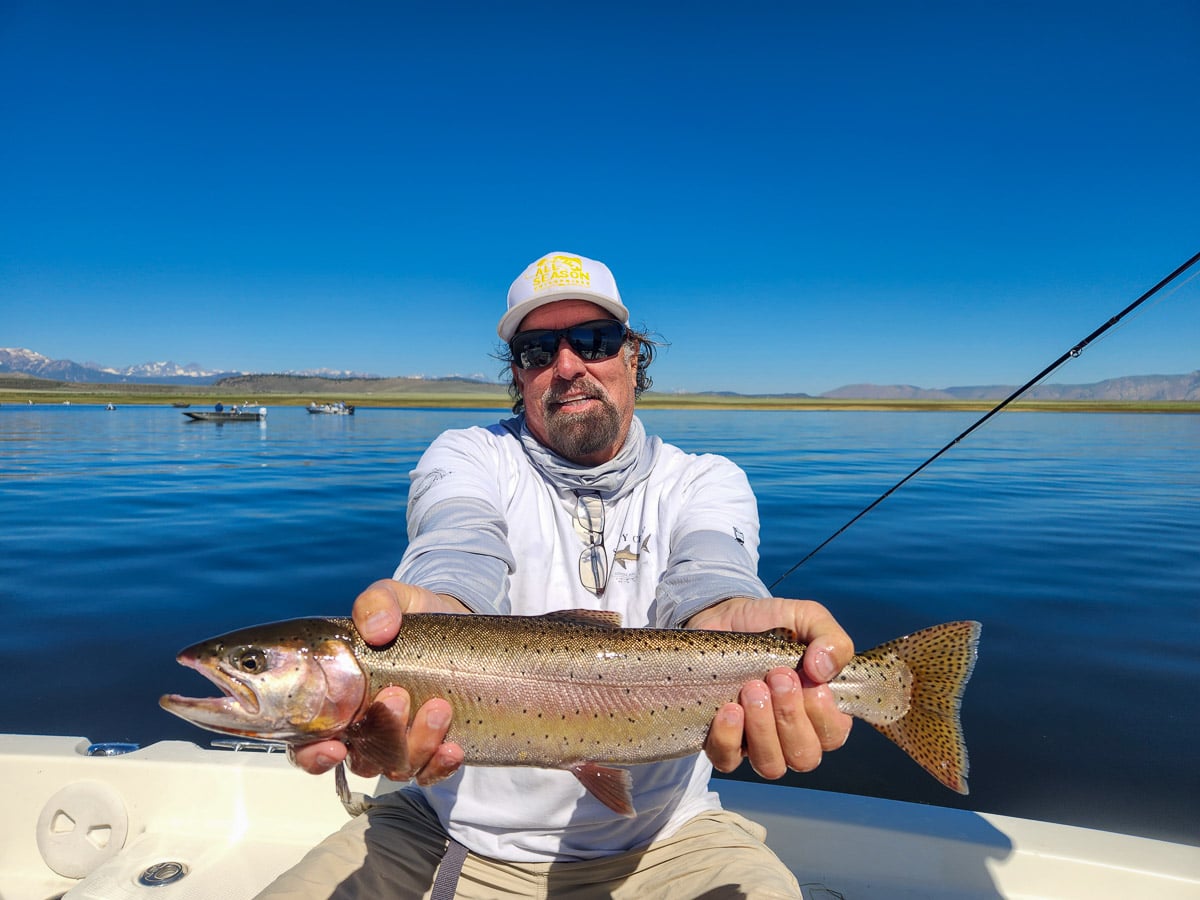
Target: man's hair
(635, 341)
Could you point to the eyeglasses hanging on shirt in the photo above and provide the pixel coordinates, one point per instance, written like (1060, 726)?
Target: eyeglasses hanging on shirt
(589, 523)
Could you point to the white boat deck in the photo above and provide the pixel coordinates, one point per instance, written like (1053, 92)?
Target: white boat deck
(88, 828)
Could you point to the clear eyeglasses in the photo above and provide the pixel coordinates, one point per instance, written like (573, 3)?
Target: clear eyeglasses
(589, 523)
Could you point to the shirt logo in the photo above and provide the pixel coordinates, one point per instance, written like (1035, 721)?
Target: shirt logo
(631, 552)
(559, 272)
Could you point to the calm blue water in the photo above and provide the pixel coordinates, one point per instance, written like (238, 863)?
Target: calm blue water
(1074, 538)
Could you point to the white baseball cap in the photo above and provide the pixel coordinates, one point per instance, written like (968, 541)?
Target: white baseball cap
(560, 276)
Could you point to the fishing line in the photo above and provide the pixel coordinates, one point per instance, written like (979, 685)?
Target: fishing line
(1073, 353)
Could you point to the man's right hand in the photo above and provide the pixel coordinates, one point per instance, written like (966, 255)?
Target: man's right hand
(426, 756)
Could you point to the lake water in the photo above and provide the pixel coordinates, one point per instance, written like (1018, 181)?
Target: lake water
(1074, 538)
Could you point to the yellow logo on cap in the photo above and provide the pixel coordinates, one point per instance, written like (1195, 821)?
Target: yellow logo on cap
(560, 271)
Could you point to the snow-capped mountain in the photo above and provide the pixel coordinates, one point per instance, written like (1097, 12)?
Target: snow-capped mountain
(30, 362)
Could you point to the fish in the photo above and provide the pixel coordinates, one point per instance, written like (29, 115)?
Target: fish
(569, 690)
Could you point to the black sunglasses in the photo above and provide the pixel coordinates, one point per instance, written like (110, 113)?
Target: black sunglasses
(600, 339)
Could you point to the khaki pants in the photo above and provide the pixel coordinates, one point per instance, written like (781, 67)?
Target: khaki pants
(393, 853)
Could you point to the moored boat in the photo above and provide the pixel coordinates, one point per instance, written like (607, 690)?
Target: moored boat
(228, 415)
(224, 823)
(331, 409)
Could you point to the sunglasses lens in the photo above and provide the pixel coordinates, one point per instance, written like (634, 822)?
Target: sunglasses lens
(591, 340)
(593, 569)
(534, 349)
(594, 341)
(589, 518)
(589, 524)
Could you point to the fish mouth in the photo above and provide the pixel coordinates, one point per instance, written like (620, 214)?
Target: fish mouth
(240, 701)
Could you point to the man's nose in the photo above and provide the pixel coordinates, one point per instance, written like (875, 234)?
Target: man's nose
(567, 363)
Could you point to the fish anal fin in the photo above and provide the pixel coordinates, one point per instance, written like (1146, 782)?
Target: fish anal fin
(611, 786)
(596, 618)
(378, 741)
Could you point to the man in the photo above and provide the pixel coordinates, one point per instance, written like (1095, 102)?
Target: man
(527, 517)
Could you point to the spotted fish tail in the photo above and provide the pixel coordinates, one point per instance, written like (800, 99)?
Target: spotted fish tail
(910, 689)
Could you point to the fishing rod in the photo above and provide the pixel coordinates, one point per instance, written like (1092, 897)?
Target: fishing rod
(1074, 352)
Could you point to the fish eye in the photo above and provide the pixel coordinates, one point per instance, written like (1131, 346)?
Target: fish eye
(250, 660)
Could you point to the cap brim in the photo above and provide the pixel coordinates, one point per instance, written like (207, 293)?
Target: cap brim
(511, 320)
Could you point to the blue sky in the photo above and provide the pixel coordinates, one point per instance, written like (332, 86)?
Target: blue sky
(796, 196)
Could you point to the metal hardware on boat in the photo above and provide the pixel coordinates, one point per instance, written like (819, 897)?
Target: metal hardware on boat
(110, 748)
(162, 873)
(260, 746)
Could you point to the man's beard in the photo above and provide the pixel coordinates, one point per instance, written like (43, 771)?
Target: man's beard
(574, 436)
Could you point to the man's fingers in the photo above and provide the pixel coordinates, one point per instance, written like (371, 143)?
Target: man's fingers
(444, 763)
(377, 612)
(317, 758)
(830, 725)
(800, 746)
(763, 741)
(724, 742)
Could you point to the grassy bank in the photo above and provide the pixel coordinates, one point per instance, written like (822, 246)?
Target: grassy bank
(449, 395)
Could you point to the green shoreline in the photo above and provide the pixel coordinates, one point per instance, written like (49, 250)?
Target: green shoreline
(460, 395)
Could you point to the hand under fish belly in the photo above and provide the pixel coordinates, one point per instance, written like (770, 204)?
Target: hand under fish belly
(569, 690)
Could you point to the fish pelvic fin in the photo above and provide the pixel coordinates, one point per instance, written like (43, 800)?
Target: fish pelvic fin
(611, 786)
(923, 676)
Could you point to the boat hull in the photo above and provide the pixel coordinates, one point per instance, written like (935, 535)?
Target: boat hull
(238, 819)
(214, 416)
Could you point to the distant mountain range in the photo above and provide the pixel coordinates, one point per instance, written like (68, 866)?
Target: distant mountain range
(1132, 388)
(29, 362)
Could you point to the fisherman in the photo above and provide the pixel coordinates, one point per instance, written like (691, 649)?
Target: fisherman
(526, 517)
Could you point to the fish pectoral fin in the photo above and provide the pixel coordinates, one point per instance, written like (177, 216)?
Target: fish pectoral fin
(611, 786)
(379, 741)
(597, 618)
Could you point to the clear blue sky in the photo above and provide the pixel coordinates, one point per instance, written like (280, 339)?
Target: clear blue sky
(796, 195)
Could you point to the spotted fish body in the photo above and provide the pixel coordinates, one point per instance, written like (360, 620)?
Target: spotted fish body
(569, 690)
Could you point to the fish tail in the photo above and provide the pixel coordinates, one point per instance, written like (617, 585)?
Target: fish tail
(921, 678)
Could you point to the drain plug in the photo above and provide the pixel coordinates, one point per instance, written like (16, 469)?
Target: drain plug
(162, 873)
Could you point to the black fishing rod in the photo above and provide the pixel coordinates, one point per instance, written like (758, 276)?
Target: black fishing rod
(1069, 355)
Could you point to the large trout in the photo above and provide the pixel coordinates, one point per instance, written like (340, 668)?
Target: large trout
(570, 690)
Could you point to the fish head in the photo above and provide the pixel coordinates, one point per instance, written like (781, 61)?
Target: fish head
(290, 681)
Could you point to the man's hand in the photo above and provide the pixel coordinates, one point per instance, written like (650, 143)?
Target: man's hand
(378, 612)
(789, 720)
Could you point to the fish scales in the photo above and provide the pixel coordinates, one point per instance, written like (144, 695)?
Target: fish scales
(527, 692)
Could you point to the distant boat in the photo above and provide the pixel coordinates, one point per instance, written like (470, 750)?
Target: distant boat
(179, 405)
(331, 409)
(229, 415)
(110, 407)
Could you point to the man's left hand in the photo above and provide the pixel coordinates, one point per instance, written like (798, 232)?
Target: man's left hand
(789, 720)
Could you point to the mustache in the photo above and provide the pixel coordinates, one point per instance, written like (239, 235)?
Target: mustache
(575, 391)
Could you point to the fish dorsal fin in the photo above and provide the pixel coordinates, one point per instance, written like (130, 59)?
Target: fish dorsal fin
(597, 618)
(784, 634)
